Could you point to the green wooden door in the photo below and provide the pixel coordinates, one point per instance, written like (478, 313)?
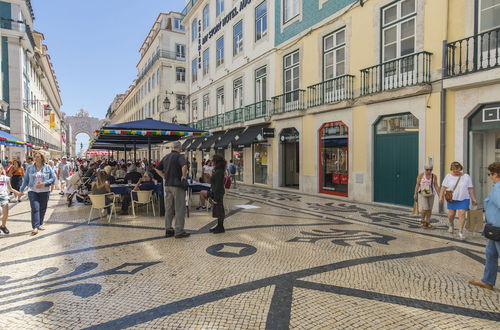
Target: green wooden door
(395, 168)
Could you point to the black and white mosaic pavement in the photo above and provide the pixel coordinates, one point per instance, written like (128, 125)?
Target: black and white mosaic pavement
(295, 262)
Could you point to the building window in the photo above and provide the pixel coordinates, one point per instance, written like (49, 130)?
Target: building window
(220, 100)
(180, 51)
(194, 110)
(219, 6)
(194, 29)
(180, 74)
(260, 21)
(489, 15)
(206, 61)
(238, 38)
(260, 155)
(398, 30)
(177, 24)
(194, 70)
(206, 105)
(158, 77)
(238, 93)
(334, 55)
(333, 151)
(220, 51)
(291, 72)
(206, 17)
(180, 101)
(261, 84)
(290, 9)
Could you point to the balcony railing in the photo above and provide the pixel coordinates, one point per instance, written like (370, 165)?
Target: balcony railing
(405, 71)
(234, 116)
(35, 141)
(188, 7)
(479, 52)
(159, 54)
(291, 101)
(20, 26)
(258, 110)
(331, 91)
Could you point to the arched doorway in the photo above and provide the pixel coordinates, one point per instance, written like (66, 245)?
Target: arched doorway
(289, 142)
(82, 144)
(484, 147)
(395, 159)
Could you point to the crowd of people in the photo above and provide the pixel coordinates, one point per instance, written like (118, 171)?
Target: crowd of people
(173, 172)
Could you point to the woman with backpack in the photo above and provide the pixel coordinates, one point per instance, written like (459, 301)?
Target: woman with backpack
(425, 189)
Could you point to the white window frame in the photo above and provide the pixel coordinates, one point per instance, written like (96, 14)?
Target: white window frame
(180, 51)
(206, 61)
(219, 52)
(180, 101)
(295, 10)
(237, 39)
(219, 7)
(194, 110)
(291, 99)
(206, 105)
(194, 29)
(206, 17)
(479, 20)
(180, 74)
(194, 70)
(398, 22)
(238, 93)
(259, 22)
(219, 105)
(334, 50)
(261, 84)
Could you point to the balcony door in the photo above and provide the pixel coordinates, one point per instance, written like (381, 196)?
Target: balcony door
(260, 91)
(291, 74)
(398, 42)
(334, 48)
(488, 25)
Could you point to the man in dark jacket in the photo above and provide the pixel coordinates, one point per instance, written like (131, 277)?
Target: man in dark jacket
(173, 169)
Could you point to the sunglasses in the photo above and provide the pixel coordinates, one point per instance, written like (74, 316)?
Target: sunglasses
(428, 170)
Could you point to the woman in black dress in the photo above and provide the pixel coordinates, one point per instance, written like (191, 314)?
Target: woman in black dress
(217, 193)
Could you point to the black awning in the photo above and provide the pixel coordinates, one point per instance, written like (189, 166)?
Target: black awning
(210, 141)
(196, 143)
(249, 136)
(186, 143)
(228, 138)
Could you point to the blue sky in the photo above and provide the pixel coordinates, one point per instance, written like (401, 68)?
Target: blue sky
(94, 46)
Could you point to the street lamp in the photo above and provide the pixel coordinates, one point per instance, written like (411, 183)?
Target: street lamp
(166, 104)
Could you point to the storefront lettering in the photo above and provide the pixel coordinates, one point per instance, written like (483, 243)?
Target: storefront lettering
(226, 19)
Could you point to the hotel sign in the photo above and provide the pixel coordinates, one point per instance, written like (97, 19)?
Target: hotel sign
(225, 20)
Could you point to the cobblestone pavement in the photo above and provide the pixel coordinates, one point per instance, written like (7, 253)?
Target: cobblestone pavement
(292, 261)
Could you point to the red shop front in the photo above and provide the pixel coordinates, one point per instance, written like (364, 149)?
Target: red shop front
(334, 158)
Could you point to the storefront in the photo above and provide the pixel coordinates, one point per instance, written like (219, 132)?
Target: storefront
(289, 143)
(238, 159)
(484, 147)
(333, 154)
(253, 137)
(395, 159)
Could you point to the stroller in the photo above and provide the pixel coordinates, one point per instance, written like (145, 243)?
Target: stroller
(78, 186)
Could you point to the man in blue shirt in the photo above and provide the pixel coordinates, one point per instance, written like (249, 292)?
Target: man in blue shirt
(492, 214)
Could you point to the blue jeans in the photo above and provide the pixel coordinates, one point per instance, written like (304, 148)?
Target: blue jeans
(38, 202)
(491, 265)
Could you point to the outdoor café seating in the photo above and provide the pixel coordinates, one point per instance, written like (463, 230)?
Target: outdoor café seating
(101, 203)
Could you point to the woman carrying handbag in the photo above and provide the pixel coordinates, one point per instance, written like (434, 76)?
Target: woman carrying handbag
(458, 190)
(425, 189)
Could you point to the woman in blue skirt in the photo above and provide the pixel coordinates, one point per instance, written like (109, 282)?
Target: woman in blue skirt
(459, 184)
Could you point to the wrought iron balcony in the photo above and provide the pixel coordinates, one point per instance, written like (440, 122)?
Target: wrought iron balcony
(35, 141)
(234, 116)
(479, 52)
(159, 54)
(406, 71)
(212, 122)
(331, 91)
(258, 110)
(291, 101)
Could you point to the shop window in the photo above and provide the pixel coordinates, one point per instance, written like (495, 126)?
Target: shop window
(333, 151)
(260, 163)
(238, 161)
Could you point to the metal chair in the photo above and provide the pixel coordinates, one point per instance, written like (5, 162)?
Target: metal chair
(99, 203)
(143, 197)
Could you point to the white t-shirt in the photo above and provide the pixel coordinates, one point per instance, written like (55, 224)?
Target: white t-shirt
(38, 180)
(462, 191)
(4, 183)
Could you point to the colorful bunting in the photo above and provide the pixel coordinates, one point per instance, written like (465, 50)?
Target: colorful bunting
(146, 133)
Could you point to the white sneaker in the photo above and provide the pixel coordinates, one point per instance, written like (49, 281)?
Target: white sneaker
(450, 229)
(461, 235)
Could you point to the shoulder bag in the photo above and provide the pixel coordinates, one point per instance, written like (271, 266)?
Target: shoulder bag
(449, 193)
(428, 191)
(492, 232)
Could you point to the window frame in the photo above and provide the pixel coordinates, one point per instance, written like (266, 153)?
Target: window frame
(206, 105)
(206, 17)
(194, 29)
(259, 19)
(194, 70)
(219, 52)
(334, 51)
(478, 17)
(284, 6)
(291, 67)
(182, 52)
(180, 102)
(219, 95)
(236, 50)
(219, 9)
(180, 72)
(205, 62)
(240, 88)
(259, 78)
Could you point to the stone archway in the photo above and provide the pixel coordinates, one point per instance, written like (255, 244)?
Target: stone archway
(82, 123)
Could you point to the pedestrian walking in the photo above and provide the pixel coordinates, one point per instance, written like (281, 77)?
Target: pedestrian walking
(458, 189)
(16, 174)
(63, 174)
(38, 178)
(5, 188)
(492, 214)
(217, 192)
(173, 169)
(425, 190)
(232, 169)
(194, 168)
